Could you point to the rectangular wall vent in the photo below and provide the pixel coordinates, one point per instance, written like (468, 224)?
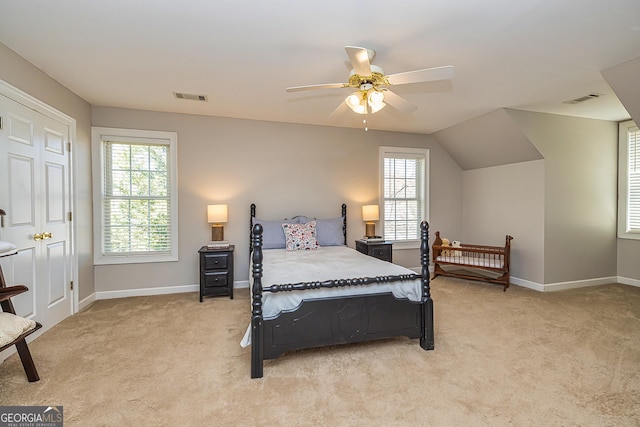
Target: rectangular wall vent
(583, 98)
(191, 97)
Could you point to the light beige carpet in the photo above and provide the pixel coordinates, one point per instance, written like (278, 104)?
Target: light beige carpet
(519, 358)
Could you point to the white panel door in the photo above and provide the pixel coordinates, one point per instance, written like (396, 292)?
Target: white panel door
(34, 191)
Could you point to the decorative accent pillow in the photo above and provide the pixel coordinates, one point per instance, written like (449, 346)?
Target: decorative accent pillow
(300, 237)
(272, 234)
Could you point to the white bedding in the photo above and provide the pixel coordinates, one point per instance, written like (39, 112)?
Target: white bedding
(479, 261)
(326, 263)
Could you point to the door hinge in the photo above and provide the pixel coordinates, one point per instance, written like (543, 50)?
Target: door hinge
(70, 216)
(68, 146)
(0, 122)
(71, 285)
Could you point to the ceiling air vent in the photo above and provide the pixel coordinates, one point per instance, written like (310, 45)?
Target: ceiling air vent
(191, 97)
(583, 98)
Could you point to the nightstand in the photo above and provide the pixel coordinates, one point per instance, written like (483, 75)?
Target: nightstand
(216, 271)
(380, 250)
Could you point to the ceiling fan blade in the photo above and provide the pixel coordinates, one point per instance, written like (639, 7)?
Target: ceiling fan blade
(359, 57)
(398, 102)
(321, 86)
(341, 108)
(426, 75)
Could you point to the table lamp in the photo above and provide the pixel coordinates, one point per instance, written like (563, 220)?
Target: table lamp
(217, 215)
(370, 213)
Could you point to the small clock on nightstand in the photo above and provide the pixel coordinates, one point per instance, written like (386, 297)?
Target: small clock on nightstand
(378, 249)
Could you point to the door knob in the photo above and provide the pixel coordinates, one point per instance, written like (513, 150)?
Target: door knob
(42, 236)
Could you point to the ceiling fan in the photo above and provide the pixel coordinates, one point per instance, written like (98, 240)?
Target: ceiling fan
(369, 80)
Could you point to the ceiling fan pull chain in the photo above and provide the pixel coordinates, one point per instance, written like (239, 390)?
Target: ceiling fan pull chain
(366, 111)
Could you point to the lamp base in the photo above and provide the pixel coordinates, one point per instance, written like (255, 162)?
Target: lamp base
(370, 229)
(217, 232)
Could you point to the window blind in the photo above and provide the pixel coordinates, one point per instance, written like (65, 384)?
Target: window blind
(403, 179)
(633, 193)
(136, 198)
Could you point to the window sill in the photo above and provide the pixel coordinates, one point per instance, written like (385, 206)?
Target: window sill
(406, 244)
(133, 259)
(629, 236)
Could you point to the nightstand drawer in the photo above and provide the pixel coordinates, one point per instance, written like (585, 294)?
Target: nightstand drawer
(213, 279)
(215, 261)
(382, 252)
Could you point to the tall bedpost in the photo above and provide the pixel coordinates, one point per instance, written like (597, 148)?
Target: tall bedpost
(344, 222)
(507, 261)
(427, 335)
(257, 355)
(251, 217)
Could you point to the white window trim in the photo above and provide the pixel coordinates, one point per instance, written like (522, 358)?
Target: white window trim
(623, 170)
(99, 134)
(384, 150)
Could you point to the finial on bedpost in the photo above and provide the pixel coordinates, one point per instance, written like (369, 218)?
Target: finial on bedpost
(344, 222)
(424, 257)
(251, 217)
(256, 303)
(427, 338)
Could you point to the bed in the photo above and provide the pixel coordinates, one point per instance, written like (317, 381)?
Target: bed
(474, 262)
(331, 294)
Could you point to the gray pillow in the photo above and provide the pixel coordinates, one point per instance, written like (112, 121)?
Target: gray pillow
(328, 231)
(273, 234)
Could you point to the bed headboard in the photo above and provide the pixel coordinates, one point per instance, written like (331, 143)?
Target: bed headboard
(253, 215)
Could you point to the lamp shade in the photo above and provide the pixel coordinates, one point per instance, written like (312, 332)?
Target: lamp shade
(216, 213)
(370, 213)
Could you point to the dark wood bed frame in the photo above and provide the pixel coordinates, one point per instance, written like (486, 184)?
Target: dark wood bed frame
(332, 321)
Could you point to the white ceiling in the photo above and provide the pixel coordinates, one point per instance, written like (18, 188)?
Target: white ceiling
(524, 54)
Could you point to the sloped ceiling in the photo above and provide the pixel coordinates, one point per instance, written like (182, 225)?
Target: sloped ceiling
(525, 54)
(624, 79)
(492, 139)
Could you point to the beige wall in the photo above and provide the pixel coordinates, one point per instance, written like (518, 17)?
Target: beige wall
(286, 169)
(623, 79)
(19, 73)
(505, 200)
(580, 194)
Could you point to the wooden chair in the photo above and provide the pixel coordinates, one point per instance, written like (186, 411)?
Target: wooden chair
(6, 293)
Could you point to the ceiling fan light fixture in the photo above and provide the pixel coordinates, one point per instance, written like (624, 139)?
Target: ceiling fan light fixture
(376, 97)
(356, 102)
(377, 107)
(376, 100)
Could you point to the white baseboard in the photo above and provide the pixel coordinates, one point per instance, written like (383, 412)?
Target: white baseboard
(549, 287)
(146, 292)
(526, 284)
(560, 286)
(86, 302)
(628, 281)
(241, 284)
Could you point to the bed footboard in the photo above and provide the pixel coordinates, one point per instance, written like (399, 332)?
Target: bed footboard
(334, 321)
(474, 262)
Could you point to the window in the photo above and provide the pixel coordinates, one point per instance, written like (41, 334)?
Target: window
(135, 196)
(403, 188)
(629, 181)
